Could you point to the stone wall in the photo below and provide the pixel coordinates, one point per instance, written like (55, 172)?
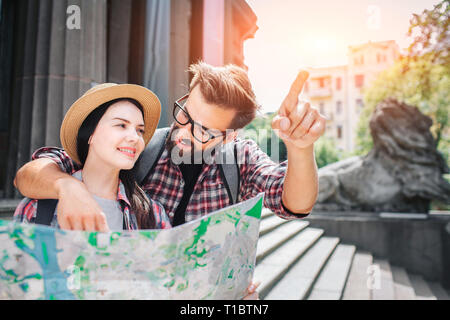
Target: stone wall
(421, 245)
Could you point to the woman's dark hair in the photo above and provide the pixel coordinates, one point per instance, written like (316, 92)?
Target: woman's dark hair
(139, 202)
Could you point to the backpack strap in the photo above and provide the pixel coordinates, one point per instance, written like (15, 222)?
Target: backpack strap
(229, 169)
(150, 156)
(45, 211)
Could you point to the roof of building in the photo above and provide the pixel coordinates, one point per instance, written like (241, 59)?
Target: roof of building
(381, 44)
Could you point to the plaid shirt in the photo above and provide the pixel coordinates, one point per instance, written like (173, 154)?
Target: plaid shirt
(27, 209)
(257, 171)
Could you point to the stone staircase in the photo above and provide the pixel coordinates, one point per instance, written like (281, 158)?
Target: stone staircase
(297, 262)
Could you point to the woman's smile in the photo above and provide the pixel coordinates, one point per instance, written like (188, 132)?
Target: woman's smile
(128, 151)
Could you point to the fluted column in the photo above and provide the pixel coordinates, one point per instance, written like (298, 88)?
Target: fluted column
(54, 65)
(157, 51)
(180, 37)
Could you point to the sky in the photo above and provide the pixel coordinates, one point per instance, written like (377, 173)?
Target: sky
(297, 34)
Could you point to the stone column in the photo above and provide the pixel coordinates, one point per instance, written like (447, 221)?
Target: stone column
(6, 55)
(237, 33)
(213, 32)
(119, 27)
(53, 66)
(157, 53)
(180, 37)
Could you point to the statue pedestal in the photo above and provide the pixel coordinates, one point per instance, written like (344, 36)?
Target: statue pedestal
(418, 242)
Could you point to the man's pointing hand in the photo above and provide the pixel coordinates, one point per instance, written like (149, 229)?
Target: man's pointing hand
(298, 124)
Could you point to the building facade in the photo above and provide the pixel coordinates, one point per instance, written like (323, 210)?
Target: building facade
(338, 91)
(52, 51)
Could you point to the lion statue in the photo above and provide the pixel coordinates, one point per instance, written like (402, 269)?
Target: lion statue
(402, 173)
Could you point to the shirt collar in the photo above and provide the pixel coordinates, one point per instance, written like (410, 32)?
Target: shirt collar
(121, 194)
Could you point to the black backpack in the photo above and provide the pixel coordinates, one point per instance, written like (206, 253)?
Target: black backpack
(147, 163)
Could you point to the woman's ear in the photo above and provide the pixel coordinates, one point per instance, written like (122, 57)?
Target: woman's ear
(90, 139)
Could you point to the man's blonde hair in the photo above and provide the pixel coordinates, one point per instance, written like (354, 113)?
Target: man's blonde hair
(228, 87)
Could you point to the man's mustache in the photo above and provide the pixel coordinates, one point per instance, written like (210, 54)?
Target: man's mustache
(193, 155)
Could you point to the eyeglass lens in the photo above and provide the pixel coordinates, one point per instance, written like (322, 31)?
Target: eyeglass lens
(182, 117)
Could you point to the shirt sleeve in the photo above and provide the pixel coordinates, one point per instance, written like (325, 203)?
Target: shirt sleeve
(59, 156)
(260, 174)
(161, 219)
(26, 211)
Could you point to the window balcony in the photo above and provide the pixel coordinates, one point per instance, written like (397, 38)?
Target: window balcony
(320, 92)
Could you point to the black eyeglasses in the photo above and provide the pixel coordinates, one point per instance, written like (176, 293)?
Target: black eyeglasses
(199, 132)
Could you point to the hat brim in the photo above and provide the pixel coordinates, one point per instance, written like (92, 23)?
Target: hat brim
(81, 108)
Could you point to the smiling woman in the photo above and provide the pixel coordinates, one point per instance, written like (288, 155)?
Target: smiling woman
(109, 142)
(105, 131)
(114, 126)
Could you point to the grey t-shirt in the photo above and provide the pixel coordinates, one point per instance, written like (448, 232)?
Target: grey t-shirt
(111, 208)
(112, 211)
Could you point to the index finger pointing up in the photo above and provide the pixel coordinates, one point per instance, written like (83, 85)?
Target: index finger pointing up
(291, 100)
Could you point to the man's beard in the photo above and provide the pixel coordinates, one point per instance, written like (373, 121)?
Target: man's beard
(193, 155)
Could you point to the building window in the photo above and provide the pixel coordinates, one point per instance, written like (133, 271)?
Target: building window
(358, 61)
(381, 58)
(322, 108)
(359, 105)
(321, 83)
(339, 132)
(338, 107)
(338, 83)
(359, 80)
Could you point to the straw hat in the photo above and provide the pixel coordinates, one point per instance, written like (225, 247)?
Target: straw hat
(99, 95)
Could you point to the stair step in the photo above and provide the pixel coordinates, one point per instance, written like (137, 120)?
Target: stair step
(272, 240)
(6, 215)
(275, 265)
(8, 206)
(439, 292)
(357, 288)
(402, 285)
(270, 223)
(331, 282)
(297, 282)
(265, 213)
(421, 288)
(383, 285)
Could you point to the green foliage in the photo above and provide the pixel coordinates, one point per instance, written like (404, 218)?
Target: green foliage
(260, 130)
(325, 152)
(423, 84)
(430, 33)
(421, 79)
